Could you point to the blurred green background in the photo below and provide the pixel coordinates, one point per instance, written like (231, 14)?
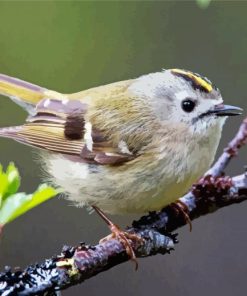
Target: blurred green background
(70, 46)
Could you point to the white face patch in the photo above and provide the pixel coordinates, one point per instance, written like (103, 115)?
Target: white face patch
(181, 95)
(123, 147)
(88, 136)
(207, 104)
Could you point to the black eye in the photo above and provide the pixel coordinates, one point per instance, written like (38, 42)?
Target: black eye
(188, 105)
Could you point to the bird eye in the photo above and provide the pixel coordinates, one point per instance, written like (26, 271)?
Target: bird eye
(188, 105)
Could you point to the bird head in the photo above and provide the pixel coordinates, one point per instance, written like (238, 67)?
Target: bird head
(185, 98)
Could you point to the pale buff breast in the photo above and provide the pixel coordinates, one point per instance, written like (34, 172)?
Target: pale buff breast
(128, 191)
(139, 186)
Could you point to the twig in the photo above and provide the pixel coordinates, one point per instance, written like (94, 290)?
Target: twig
(77, 264)
(230, 151)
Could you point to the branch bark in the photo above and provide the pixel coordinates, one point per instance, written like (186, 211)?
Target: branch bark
(76, 264)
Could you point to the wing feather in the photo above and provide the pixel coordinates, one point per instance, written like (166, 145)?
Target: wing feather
(60, 126)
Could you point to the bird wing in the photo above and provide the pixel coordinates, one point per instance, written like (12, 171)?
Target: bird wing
(60, 126)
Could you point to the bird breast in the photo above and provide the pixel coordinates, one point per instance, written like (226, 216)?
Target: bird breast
(149, 182)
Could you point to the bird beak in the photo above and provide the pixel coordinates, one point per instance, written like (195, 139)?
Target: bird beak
(226, 110)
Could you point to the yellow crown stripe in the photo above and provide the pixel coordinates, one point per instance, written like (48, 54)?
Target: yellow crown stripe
(199, 80)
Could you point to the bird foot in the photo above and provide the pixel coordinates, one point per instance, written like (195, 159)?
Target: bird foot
(122, 236)
(181, 207)
(125, 238)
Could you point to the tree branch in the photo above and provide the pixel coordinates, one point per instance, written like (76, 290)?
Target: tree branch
(76, 264)
(230, 151)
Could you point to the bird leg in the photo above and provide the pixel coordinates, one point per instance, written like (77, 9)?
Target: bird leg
(123, 237)
(181, 207)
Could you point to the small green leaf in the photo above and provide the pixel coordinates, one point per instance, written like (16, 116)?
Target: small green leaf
(19, 203)
(3, 185)
(203, 3)
(13, 204)
(14, 179)
(9, 181)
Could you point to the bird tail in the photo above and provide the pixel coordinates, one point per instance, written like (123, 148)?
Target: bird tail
(11, 133)
(25, 94)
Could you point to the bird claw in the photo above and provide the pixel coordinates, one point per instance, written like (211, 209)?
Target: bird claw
(125, 238)
(181, 207)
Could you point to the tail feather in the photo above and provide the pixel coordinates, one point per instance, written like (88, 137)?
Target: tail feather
(25, 94)
(12, 133)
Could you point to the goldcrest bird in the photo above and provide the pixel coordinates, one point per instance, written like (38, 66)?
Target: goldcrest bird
(128, 147)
